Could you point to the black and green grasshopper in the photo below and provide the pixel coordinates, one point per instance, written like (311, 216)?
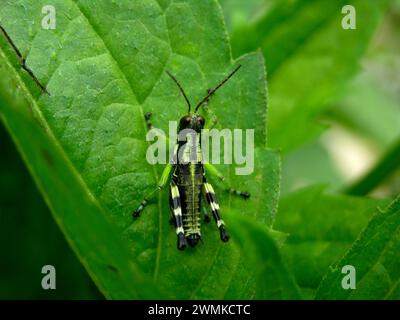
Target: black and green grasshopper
(189, 181)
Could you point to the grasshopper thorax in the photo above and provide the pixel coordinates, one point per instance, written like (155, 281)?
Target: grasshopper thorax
(191, 121)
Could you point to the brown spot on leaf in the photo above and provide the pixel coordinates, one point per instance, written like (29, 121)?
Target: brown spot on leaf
(48, 158)
(112, 268)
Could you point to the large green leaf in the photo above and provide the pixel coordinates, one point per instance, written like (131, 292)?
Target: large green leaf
(375, 256)
(321, 228)
(104, 68)
(75, 209)
(309, 57)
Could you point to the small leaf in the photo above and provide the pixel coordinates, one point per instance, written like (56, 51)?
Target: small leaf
(321, 228)
(274, 281)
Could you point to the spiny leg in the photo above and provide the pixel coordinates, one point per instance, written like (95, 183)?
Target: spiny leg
(147, 117)
(214, 172)
(143, 203)
(243, 194)
(161, 135)
(212, 201)
(22, 61)
(176, 209)
(161, 184)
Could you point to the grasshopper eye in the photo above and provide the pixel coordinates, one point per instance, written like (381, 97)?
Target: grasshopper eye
(202, 121)
(185, 121)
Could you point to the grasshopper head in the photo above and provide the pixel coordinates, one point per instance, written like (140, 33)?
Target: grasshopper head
(192, 121)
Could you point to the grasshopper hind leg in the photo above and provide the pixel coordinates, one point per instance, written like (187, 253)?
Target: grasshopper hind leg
(176, 210)
(212, 201)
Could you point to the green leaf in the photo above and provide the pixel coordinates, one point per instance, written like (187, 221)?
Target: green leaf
(309, 58)
(274, 281)
(321, 228)
(104, 68)
(24, 217)
(375, 256)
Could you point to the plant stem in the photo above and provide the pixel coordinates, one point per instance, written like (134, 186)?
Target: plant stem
(386, 166)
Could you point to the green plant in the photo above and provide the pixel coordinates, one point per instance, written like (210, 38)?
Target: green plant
(84, 144)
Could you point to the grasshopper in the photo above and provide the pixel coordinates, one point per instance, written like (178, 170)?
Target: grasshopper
(188, 184)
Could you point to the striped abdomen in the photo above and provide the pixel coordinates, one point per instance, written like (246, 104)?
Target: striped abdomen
(190, 180)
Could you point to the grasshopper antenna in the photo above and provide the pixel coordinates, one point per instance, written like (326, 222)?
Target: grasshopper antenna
(22, 61)
(212, 91)
(180, 88)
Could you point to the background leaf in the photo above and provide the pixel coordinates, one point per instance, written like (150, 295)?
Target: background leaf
(274, 281)
(375, 257)
(363, 124)
(321, 228)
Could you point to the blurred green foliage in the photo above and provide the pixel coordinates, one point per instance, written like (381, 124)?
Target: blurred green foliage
(365, 102)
